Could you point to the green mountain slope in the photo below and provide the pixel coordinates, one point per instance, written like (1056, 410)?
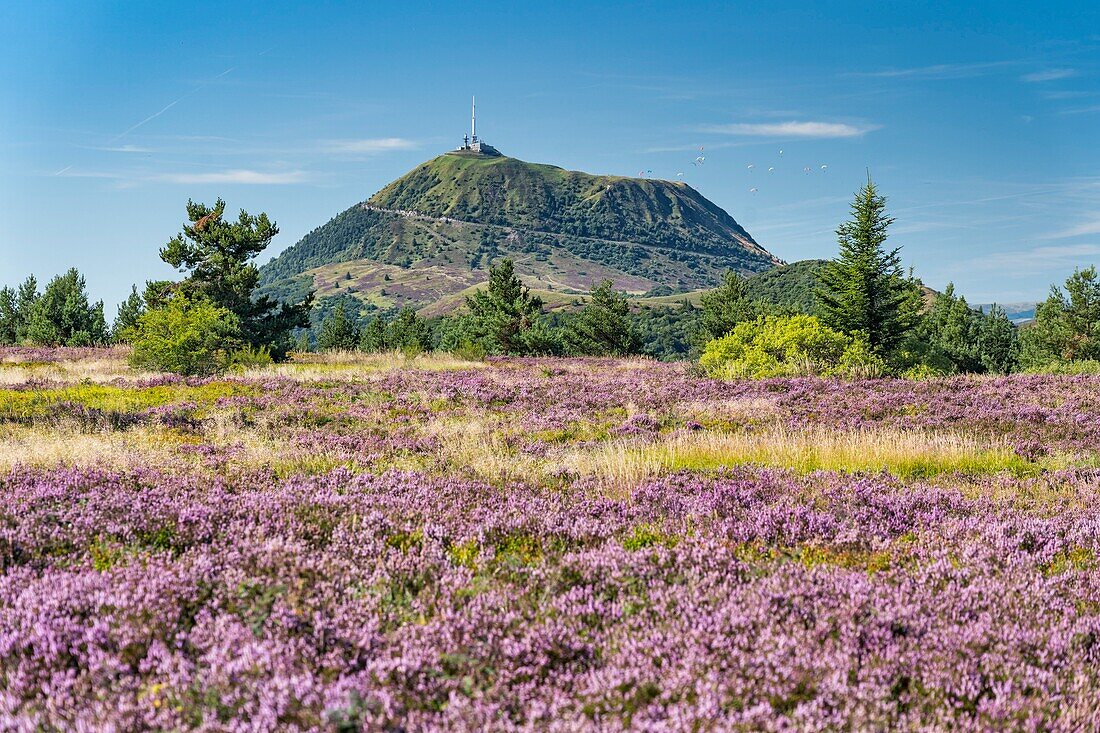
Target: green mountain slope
(433, 233)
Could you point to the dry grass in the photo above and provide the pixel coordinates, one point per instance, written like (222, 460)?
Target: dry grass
(99, 371)
(45, 447)
(477, 445)
(908, 454)
(351, 365)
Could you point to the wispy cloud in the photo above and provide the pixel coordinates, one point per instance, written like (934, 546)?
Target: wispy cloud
(1060, 94)
(124, 149)
(1048, 75)
(69, 172)
(937, 71)
(1080, 230)
(819, 130)
(258, 178)
(1091, 109)
(1039, 258)
(368, 145)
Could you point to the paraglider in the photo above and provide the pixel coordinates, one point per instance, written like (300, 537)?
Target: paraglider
(679, 175)
(780, 151)
(824, 167)
(699, 161)
(807, 169)
(751, 166)
(771, 169)
(752, 190)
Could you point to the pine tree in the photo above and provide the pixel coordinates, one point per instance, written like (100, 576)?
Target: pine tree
(409, 332)
(373, 338)
(603, 327)
(129, 311)
(999, 342)
(1067, 325)
(338, 332)
(302, 344)
(863, 290)
(504, 313)
(725, 307)
(62, 315)
(217, 256)
(25, 300)
(9, 317)
(951, 331)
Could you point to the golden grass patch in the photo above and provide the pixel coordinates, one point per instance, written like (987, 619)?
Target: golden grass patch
(905, 453)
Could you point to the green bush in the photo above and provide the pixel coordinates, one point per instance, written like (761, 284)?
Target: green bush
(469, 351)
(787, 346)
(249, 357)
(1073, 368)
(185, 336)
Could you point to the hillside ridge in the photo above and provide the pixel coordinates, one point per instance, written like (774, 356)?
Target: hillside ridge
(434, 232)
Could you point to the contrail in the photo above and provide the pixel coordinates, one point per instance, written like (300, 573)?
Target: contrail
(63, 170)
(170, 105)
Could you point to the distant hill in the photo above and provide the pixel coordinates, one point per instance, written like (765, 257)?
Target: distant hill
(429, 236)
(790, 286)
(1018, 313)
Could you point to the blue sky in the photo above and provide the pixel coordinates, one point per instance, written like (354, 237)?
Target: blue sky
(978, 120)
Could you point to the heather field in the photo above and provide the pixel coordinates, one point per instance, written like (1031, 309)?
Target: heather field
(351, 542)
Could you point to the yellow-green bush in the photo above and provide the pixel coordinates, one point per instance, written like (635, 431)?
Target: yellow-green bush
(185, 336)
(787, 346)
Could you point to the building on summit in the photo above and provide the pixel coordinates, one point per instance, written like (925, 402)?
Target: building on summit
(471, 143)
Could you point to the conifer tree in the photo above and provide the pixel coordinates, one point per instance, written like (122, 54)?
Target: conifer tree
(505, 315)
(863, 290)
(603, 327)
(338, 332)
(950, 329)
(1067, 325)
(217, 256)
(409, 332)
(999, 342)
(725, 307)
(62, 315)
(373, 338)
(129, 311)
(25, 300)
(9, 317)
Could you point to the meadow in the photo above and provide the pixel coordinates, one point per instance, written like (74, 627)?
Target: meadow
(375, 542)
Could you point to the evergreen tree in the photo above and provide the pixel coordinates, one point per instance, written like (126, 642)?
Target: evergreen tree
(217, 256)
(725, 307)
(1067, 325)
(129, 311)
(9, 317)
(338, 332)
(373, 338)
(504, 315)
(409, 332)
(863, 290)
(999, 342)
(303, 344)
(63, 315)
(603, 327)
(25, 300)
(950, 329)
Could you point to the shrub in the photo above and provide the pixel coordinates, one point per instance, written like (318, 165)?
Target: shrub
(185, 336)
(249, 357)
(1072, 368)
(784, 346)
(469, 351)
(338, 332)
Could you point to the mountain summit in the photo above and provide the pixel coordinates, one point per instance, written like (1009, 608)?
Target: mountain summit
(432, 234)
